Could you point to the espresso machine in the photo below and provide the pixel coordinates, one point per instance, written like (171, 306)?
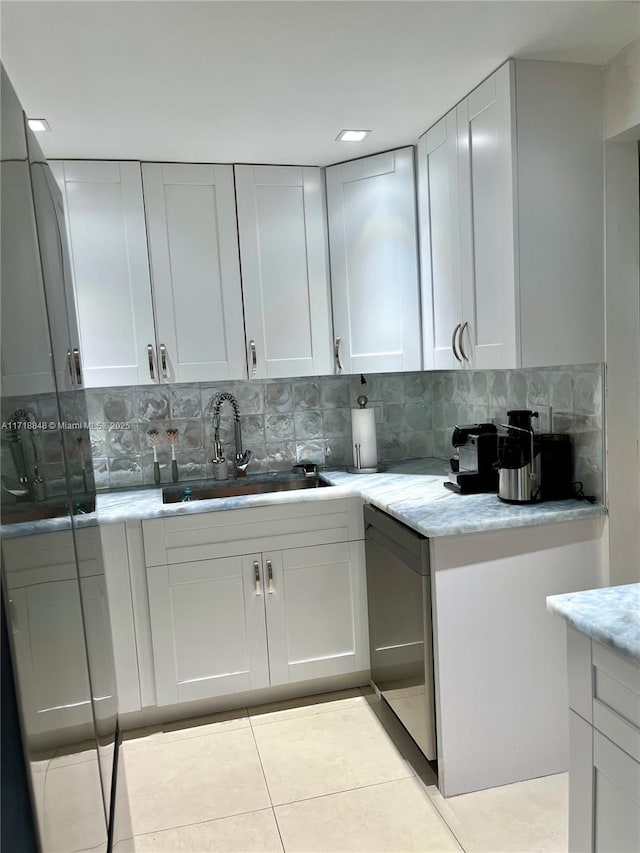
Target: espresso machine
(473, 467)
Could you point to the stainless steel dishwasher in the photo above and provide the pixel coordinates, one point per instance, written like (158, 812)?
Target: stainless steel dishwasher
(400, 633)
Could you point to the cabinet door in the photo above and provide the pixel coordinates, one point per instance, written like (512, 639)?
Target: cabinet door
(316, 612)
(52, 240)
(48, 640)
(616, 798)
(440, 244)
(26, 361)
(285, 285)
(208, 628)
(107, 240)
(193, 244)
(374, 274)
(486, 147)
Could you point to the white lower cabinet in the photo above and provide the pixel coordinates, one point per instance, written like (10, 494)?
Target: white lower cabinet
(604, 744)
(499, 655)
(212, 604)
(241, 623)
(207, 626)
(48, 630)
(315, 621)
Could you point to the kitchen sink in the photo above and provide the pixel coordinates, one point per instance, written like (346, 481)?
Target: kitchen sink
(257, 484)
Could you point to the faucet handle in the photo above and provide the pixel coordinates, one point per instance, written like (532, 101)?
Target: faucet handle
(242, 463)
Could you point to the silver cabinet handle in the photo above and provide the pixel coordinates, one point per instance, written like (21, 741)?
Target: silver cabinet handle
(152, 370)
(256, 569)
(336, 353)
(254, 358)
(453, 343)
(270, 577)
(163, 361)
(70, 366)
(76, 359)
(462, 352)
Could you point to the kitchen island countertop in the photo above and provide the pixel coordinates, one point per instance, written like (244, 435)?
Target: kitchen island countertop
(610, 615)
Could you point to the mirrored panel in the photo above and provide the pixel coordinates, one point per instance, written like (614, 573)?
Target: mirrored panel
(47, 589)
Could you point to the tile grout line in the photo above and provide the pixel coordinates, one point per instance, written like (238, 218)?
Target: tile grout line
(266, 784)
(346, 791)
(126, 741)
(199, 822)
(317, 713)
(443, 819)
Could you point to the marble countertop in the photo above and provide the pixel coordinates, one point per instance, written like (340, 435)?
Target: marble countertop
(411, 491)
(610, 615)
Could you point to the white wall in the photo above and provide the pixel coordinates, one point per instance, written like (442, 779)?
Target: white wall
(622, 93)
(622, 130)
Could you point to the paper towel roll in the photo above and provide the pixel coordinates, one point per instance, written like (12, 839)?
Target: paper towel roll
(363, 432)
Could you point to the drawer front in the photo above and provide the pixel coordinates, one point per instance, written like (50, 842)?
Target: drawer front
(228, 533)
(617, 682)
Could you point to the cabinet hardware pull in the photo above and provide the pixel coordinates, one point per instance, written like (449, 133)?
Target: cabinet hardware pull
(462, 352)
(152, 371)
(254, 358)
(256, 568)
(76, 359)
(70, 366)
(270, 576)
(453, 343)
(336, 353)
(163, 361)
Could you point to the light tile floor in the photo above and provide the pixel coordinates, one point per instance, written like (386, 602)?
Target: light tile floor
(319, 774)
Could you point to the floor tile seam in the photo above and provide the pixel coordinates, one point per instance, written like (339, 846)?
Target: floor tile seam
(443, 819)
(264, 775)
(238, 711)
(366, 707)
(279, 831)
(179, 739)
(343, 791)
(199, 822)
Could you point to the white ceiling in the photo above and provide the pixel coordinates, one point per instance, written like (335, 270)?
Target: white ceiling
(274, 82)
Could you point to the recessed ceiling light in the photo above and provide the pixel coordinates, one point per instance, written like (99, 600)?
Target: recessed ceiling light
(38, 125)
(352, 135)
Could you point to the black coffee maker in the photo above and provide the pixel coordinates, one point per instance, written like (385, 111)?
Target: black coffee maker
(533, 467)
(519, 475)
(474, 466)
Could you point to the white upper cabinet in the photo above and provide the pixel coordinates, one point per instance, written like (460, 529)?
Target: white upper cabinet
(193, 247)
(486, 159)
(374, 269)
(440, 244)
(520, 194)
(56, 271)
(26, 358)
(107, 240)
(282, 233)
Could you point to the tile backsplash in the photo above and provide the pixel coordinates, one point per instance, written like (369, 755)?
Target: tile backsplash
(287, 420)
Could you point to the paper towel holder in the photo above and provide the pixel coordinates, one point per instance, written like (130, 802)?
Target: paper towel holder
(357, 468)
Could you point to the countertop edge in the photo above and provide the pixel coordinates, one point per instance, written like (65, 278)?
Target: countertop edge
(568, 608)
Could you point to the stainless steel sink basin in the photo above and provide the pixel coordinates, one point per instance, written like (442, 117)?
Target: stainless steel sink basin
(258, 484)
